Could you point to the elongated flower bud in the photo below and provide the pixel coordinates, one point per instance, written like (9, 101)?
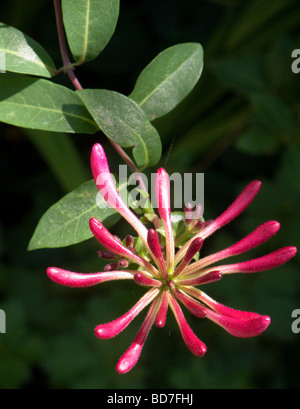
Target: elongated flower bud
(254, 239)
(220, 308)
(234, 210)
(154, 245)
(123, 263)
(129, 241)
(162, 191)
(193, 343)
(108, 190)
(192, 305)
(193, 249)
(240, 327)
(72, 279)
(114, 245)
(107, 255)
(108, 240)
(131, 356)
(267, 262)
(210, 277)
(142, 279)
(110, 267)
(113, 328)
(161, 315)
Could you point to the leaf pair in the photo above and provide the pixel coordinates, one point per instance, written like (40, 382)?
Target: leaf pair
(126, 123)
(41, 104)
(89, 25)
(37, 103)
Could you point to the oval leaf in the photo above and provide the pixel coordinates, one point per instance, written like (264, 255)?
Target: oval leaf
(124, 122)
(89, 25)
(20, 53)
(272, 112)
(41, 104)
(67, 221)
(256, 140)
(168, 79)
(61, 155)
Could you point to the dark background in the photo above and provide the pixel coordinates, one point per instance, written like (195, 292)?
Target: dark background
(240, 123)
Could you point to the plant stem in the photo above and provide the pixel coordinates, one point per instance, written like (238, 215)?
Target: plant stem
(133, 169)
(69, 69)
(63, 45)
(124, 156)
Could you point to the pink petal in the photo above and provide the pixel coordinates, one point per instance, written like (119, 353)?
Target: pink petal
(162, 191)
(71, 279)
(108, 190)
(115, 246)
(129, 359)
(113, 328)
(257, 237)
(194, 344)
(267, 262)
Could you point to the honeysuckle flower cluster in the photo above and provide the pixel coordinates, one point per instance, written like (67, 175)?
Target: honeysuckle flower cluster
(169, 267)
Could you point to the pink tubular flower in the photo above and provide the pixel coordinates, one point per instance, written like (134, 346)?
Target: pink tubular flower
(167, 265)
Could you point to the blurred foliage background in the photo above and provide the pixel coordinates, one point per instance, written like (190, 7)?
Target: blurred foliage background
(240, 123)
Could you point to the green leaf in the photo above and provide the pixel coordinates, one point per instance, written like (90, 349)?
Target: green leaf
(258, 141)
(20, 53)
(41, 104)
(124, 122)
(59, 152)
(67, 221)
(272, 113)
(244, 74)
(168, 79)
(89, 25)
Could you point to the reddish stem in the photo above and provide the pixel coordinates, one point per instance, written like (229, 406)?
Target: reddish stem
(63, 45)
